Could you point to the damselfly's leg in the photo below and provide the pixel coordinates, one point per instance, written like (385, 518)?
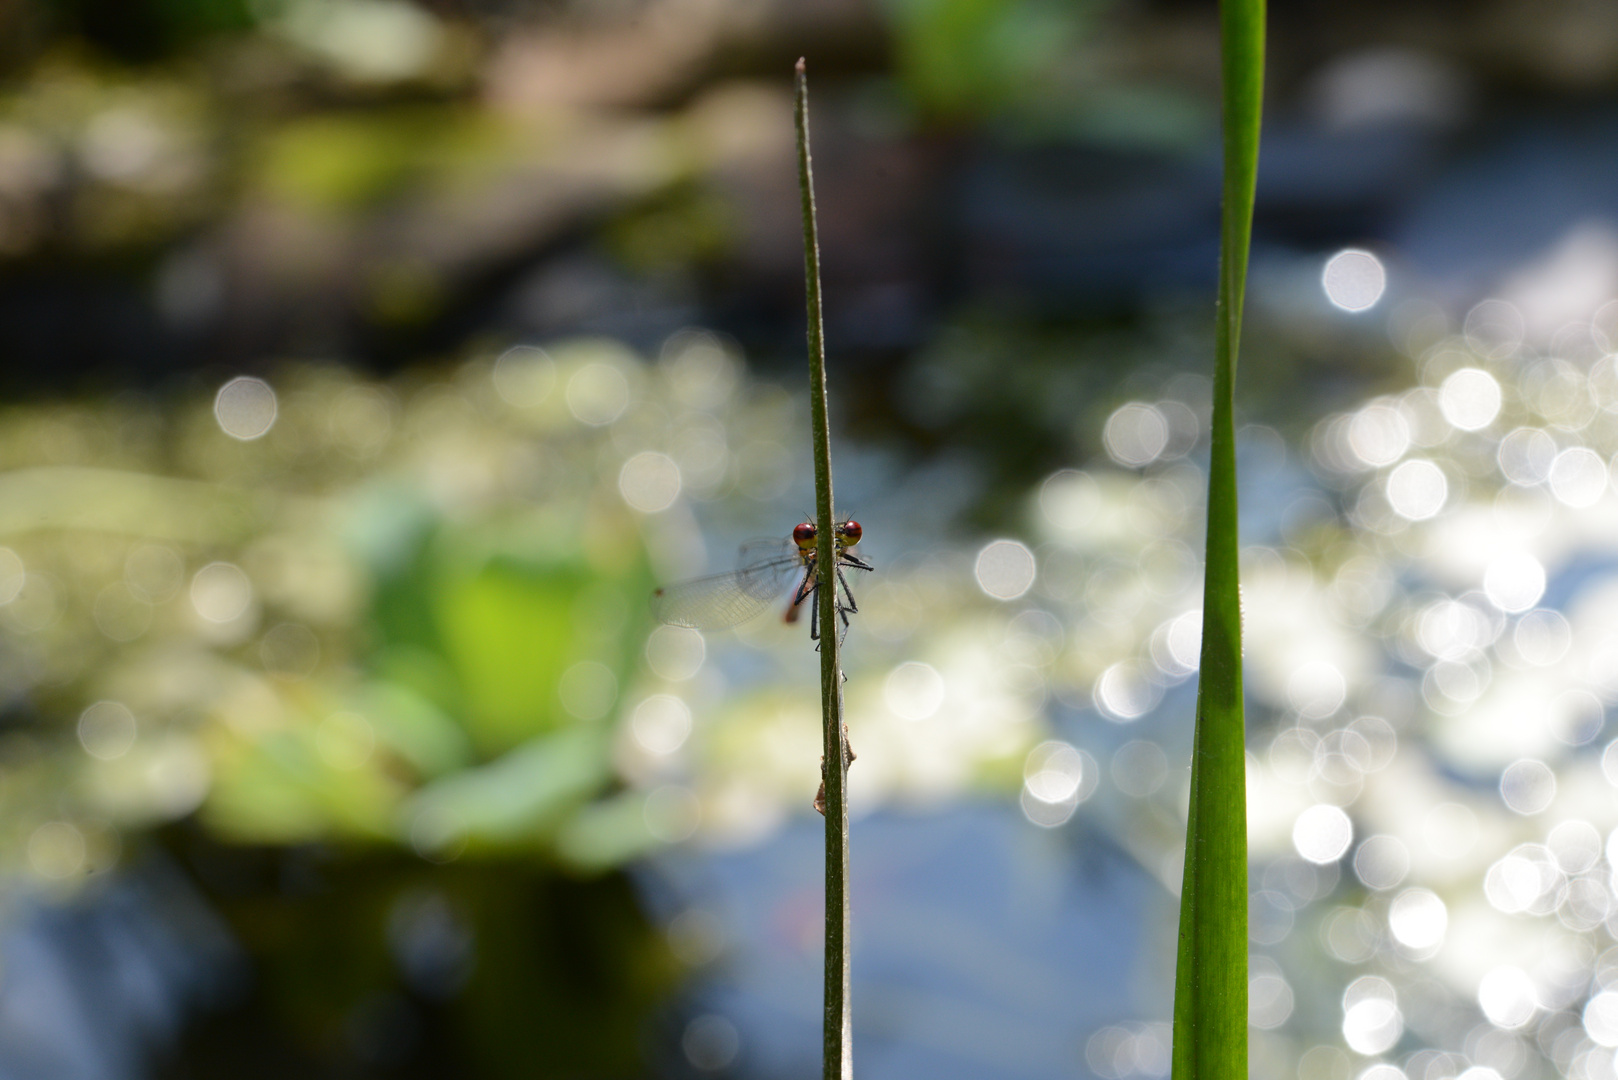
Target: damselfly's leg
(795, 608)
(807, 584)
(851, 606)
(847, 593)
(814, 613)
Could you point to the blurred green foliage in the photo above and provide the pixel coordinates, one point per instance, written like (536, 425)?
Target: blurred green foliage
(390, 633)
(968, 58)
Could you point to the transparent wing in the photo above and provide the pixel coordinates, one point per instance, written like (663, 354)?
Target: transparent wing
(721, 601)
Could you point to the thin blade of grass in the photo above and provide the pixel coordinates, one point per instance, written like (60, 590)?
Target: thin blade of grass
(1210, 985)
(837, 1061)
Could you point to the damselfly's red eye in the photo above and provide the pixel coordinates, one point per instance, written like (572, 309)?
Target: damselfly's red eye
(851, 532)
(803, 534)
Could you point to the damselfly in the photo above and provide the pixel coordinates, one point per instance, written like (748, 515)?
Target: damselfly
(762, 572)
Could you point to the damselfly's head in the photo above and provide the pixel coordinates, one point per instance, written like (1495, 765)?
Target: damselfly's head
(805, 533)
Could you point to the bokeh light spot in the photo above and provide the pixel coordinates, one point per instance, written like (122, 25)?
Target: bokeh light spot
(245, 408)
(700, 368)
(1269, 999)
(1542, 637)
(1526, 455)
(1139, 768)
(1417, 489)
(597, 393)
(1354, 280)
(1417, 919)
(1004, 569)
(1528, 786)
(1578, 477)
(1515, 882)
(1381, 862)
(710, 1042)
(650, 482)
(524, 376)
(676, 653)
(1506, 995)
(913, 690)
(1514, 582)
(1125, 692)
(1177, 644)
(1316, 689)
(1136, 434)
(1576, 717)
(1470, 399)
(661, 724)
(1372, 1022)
(1382, 1071)
(1322, 833)
(1070, 499)
(1057, 777)
(107, 730)
(221, 593)
(1378, 435)
(1349, 935)
(1601, 1018)
(1575, 845)
(1053, 772)
(1494, 329)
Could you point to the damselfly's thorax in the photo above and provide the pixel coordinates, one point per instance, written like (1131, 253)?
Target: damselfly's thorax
(763, 570)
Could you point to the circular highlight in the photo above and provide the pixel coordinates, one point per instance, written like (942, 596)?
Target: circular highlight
(597, 394)
(1004, 569)
(650, 482)
(1136, 434)
(913, 690)
(1322, 833)
(1578, 477)
(1528, 786)
(1514, 583)
(1417, 919)
(524, 376)
(676, 653)
(1470, 399)
(661, 724)
(245, 408)
(221, 593)
(1417, 490)
(1354, 280)
(107, 730)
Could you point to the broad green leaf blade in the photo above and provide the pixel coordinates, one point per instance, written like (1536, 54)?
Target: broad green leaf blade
(1210, 986)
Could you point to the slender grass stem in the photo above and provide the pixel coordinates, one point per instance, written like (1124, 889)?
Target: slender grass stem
(837, 1062)
(1210, 986)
